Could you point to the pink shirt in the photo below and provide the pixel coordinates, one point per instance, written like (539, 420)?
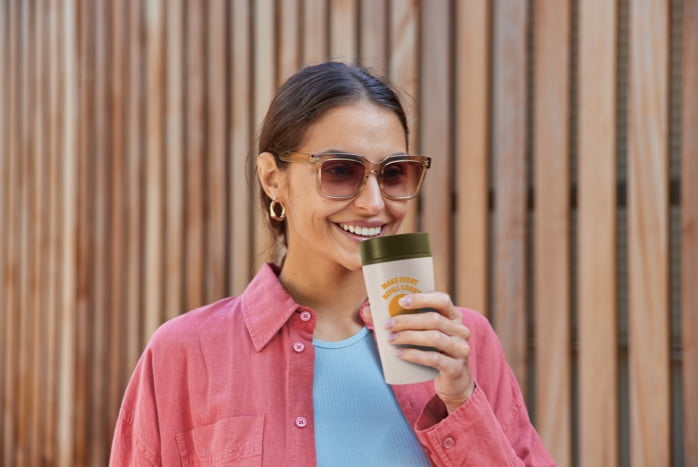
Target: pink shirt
(231, 383)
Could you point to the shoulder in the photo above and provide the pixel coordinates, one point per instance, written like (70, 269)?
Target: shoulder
(205, 322)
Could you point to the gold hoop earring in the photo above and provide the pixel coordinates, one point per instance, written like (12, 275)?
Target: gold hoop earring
(278, 217)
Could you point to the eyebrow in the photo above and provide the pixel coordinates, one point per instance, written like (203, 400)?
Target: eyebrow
(341, 151)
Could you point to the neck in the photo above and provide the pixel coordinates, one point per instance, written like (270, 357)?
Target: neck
(335, 294)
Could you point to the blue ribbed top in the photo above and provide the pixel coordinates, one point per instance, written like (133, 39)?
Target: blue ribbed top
(357, 419)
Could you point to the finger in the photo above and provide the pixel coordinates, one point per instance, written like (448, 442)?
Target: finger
(438, 301)
(365, 314)
(430, 320)
(455, 347)
(447, 365)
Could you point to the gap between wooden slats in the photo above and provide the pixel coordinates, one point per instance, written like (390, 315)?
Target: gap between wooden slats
(4, 227)
(373, 37)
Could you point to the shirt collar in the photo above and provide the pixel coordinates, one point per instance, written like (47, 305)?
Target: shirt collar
(266, 306)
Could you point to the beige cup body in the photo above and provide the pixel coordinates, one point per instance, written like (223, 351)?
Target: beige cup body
(385, 283)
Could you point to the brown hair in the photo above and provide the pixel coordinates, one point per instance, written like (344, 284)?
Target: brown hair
(304, 98)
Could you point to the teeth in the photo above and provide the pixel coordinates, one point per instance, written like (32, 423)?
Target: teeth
(363, 231)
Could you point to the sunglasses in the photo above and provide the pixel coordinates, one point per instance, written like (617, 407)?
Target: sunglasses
(343, 175)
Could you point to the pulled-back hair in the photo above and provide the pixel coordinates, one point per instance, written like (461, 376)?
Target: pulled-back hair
(302, 100)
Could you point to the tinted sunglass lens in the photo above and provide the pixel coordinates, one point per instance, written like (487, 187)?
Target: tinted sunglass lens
(401, 178)
(341, 177)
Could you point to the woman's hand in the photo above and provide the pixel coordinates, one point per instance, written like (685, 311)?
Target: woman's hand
(441, 329)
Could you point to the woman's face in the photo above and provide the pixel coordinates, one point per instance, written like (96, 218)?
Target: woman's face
(321, 231)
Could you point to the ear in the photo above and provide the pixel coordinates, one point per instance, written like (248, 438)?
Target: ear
(271, 177)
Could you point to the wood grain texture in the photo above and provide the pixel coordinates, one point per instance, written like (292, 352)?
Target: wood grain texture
(689, 229)
(344, 30)
(508, 133)
(403, 73)
(373, 40)
(125, 133)
(472, 111)
(551, 161)
(242, 178)
(435, 137)
(648, 217)
(596, 235)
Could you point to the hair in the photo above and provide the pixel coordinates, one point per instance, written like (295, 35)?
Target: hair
(301, 101)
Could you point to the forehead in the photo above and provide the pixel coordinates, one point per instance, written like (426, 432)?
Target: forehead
(361, 127)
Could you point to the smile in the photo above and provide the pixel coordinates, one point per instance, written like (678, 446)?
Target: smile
(362, 231)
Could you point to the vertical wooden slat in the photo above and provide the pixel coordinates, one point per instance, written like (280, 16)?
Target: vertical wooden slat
(195, 156)
(174, 144)
(134, 187)
(373, 36)
(264, 87)
(689, 229)
(435, 136)
(344, 30)
(5, 194)
(243, 190)
(648, 313)
(551, 227)
(403, 73)
(40, 224)
(471, 120)
(4, 182)
(118, 251)
(289, 51)
(9, 304)
(154, 165)
(216, 177)
(69, 157)
(509, 165)
(54, 263)
(85, 228)
(314, 28)
(24, 186)
(100, 217)
(596, 220)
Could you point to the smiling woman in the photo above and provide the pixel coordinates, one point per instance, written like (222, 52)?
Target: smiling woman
(288, 372)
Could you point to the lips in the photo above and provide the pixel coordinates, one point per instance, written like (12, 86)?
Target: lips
(361, 231)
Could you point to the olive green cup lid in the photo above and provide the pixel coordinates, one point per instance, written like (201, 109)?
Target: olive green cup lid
(395, 247)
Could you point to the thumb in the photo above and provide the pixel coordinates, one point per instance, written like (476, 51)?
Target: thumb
(365, 313)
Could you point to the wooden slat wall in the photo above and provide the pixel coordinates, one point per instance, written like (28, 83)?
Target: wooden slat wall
(127, 143)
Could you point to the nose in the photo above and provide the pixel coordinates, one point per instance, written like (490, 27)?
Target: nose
(370, 197)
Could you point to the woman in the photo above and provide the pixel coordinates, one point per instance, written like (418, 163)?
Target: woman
(287, 373)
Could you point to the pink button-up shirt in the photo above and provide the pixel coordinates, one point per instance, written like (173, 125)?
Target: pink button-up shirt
(231, 383)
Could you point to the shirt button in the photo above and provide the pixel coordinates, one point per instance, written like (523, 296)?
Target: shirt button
(449, 442)
(298, 346)
(301, 422)
(306, 316)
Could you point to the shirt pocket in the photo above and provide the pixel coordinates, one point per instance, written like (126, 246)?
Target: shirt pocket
(228, 441)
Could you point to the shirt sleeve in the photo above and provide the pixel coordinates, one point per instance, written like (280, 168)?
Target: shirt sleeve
(492, 427)
(136, 436)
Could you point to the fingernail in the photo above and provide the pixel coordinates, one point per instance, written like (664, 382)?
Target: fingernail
(399, 352)
(389, 324)
(406, 300)
(391, 336)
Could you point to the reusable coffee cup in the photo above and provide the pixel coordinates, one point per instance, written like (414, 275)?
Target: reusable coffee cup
(395, 266)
